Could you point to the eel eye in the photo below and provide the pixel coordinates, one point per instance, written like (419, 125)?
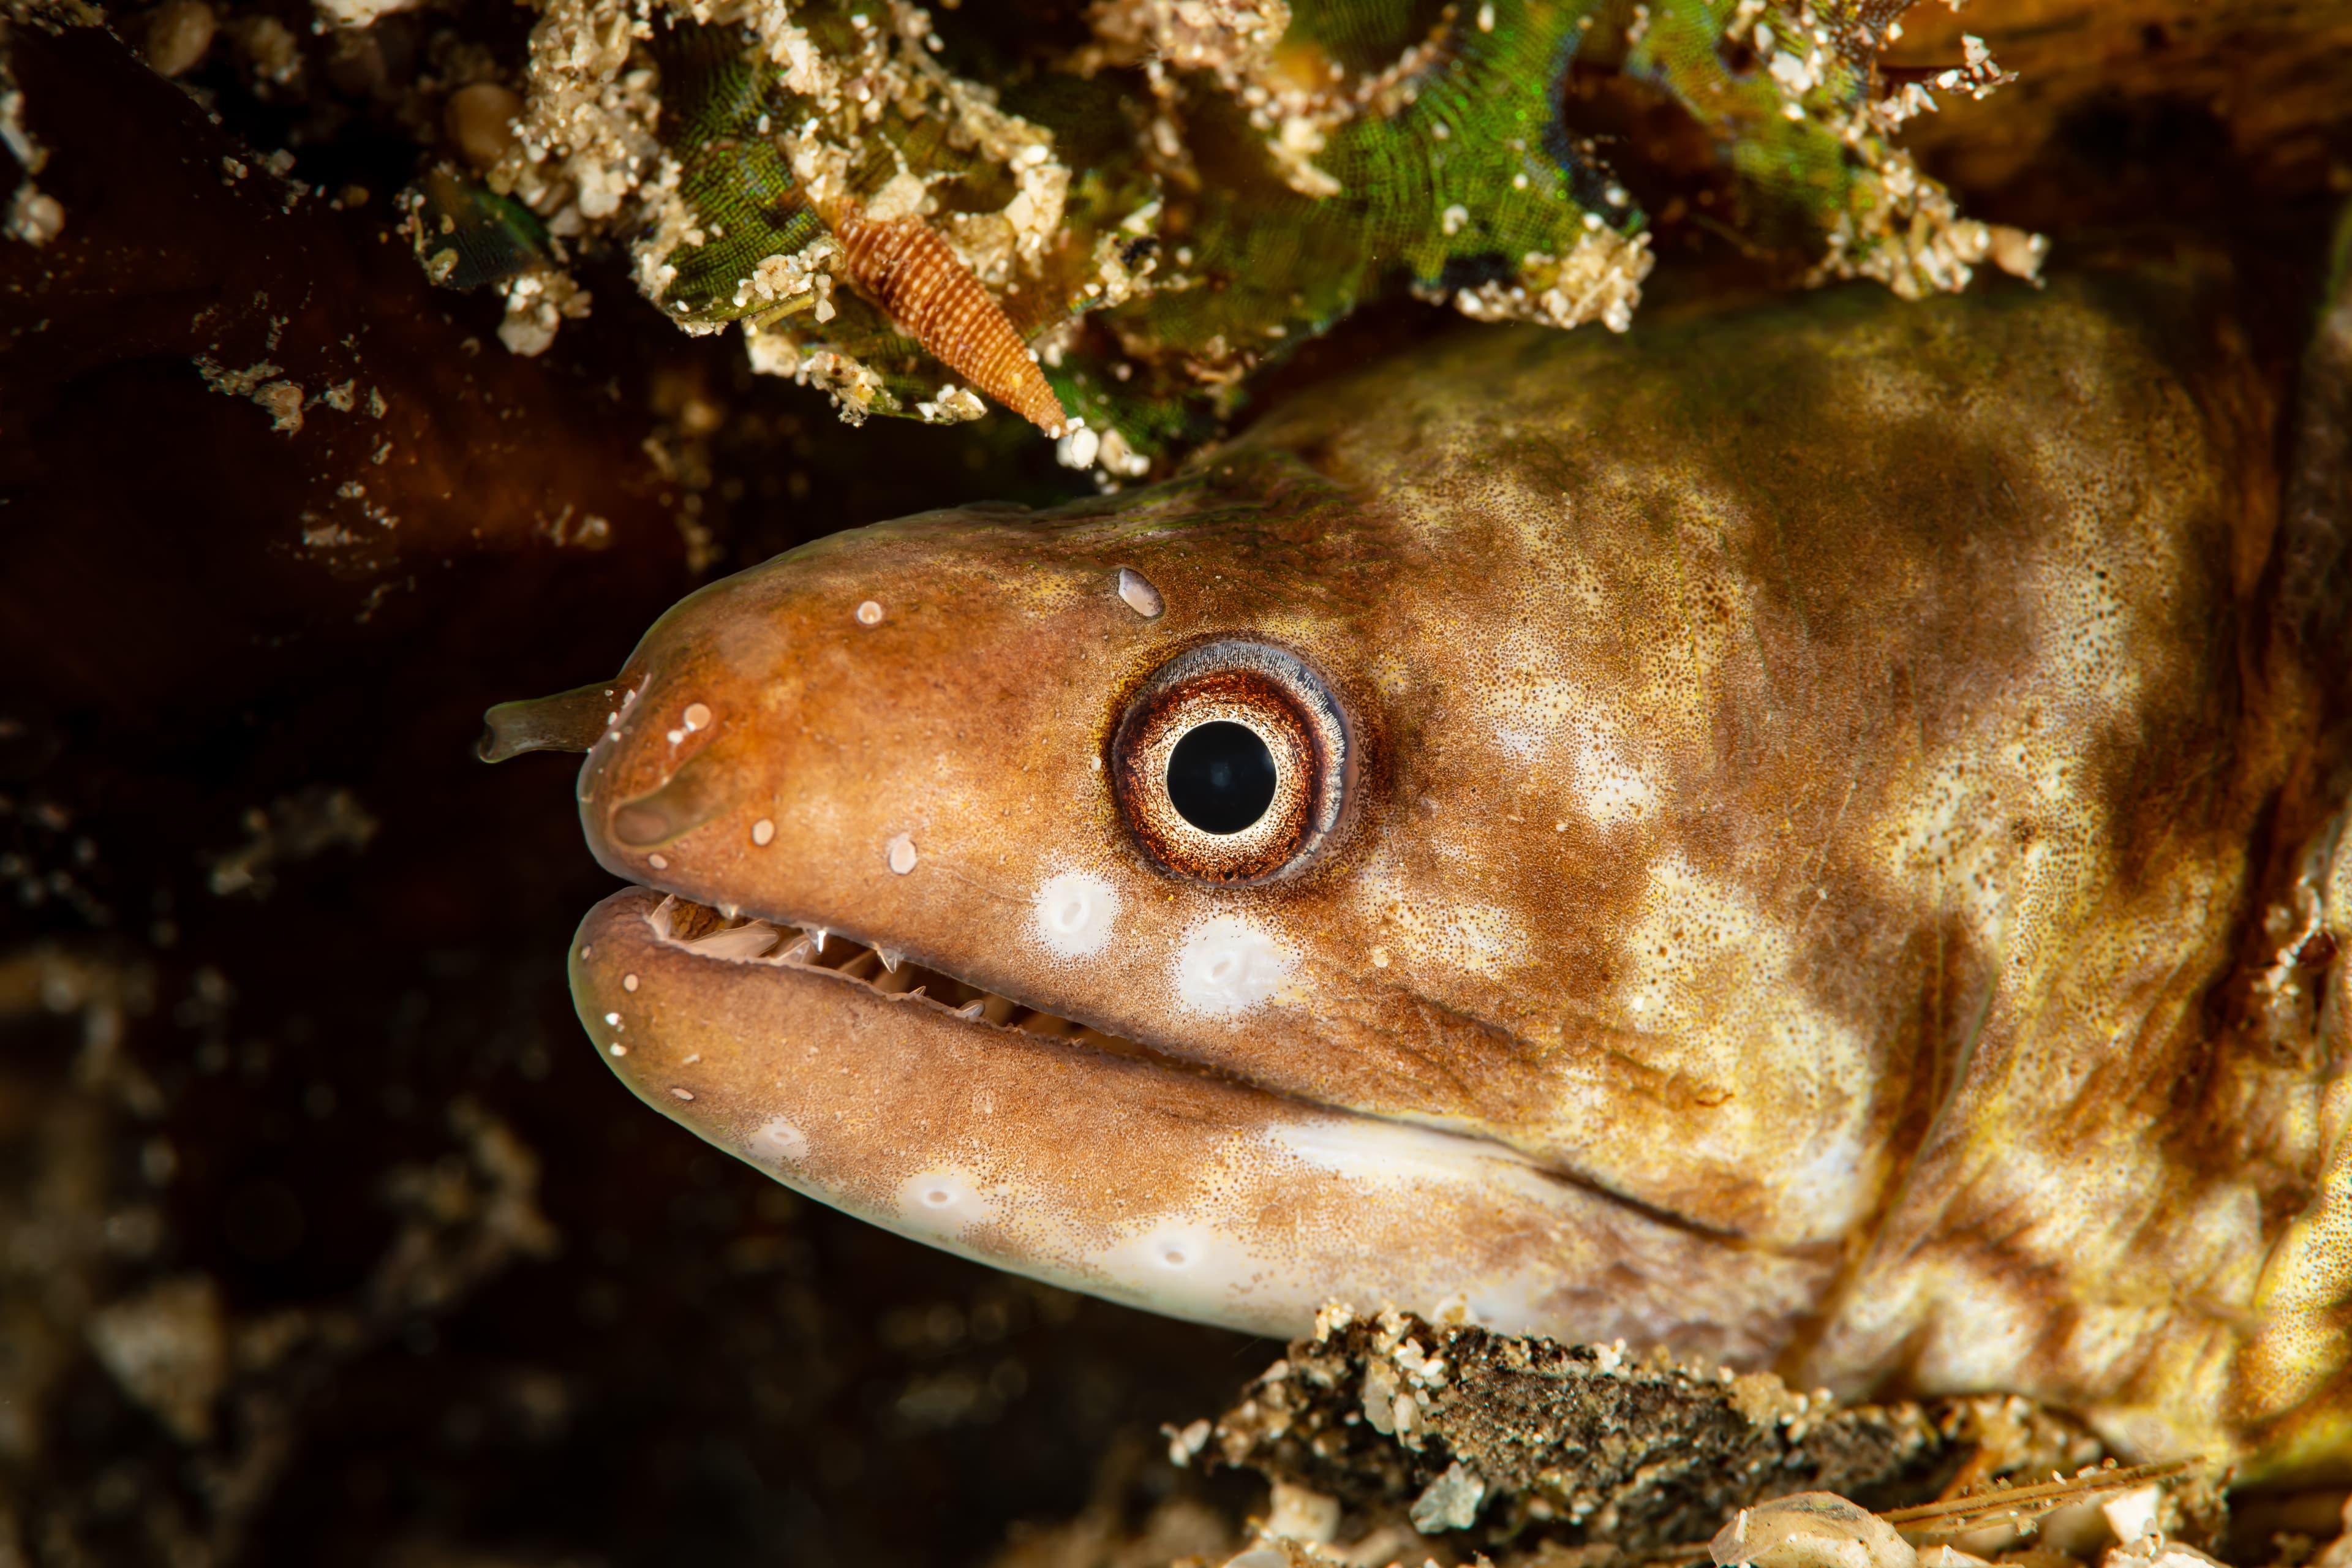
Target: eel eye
(1231, 764)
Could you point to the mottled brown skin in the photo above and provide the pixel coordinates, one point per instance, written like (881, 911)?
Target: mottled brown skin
(1824, 850)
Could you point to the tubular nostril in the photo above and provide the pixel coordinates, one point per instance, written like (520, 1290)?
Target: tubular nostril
(567, 721)
(691, 798)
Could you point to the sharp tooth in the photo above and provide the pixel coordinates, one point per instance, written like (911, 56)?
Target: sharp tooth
(918, 991)
(970, 1010)
(819, 934)
(998, 1009)
(796, 953)
(860, 967)
(751, 940)
(890, 957)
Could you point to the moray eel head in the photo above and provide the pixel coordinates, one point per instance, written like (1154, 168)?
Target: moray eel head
(1800, 836)
(1019, 884)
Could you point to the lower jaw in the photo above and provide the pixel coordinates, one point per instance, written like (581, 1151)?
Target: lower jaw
(1127, 1176)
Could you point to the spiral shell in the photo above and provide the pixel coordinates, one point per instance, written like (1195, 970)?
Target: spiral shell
(903, 266)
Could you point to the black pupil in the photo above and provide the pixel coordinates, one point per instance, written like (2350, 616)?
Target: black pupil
(1221, 777)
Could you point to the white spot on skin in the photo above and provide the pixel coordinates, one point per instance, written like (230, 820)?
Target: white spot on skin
(1228, 966)
(658, 862)
(613, 1019)
(779, 1143)
(763, 831)
(1179, 1264)
(1140, 595)
(629, 983)
(1073, 914)
(902, 853)
(619, 1050)
(869, 614)
(698, 716)
(937, 1201)
(1174, 1249)
(682, 1094)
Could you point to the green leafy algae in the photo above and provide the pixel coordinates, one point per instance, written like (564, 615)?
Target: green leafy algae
(720, 109)
(1202, 188)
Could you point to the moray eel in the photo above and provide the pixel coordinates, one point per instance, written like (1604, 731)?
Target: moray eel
(1805, 835)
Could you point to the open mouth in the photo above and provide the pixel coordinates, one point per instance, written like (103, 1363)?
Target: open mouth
(716, 935)
(738, 937)
(1041, 1143)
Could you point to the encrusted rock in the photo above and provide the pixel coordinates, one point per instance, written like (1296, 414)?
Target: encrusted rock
(1461, 1424)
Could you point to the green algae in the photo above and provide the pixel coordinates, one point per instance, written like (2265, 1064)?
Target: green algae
(1188, 197)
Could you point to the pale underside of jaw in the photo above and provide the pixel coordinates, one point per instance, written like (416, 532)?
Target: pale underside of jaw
(1037, 1144)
